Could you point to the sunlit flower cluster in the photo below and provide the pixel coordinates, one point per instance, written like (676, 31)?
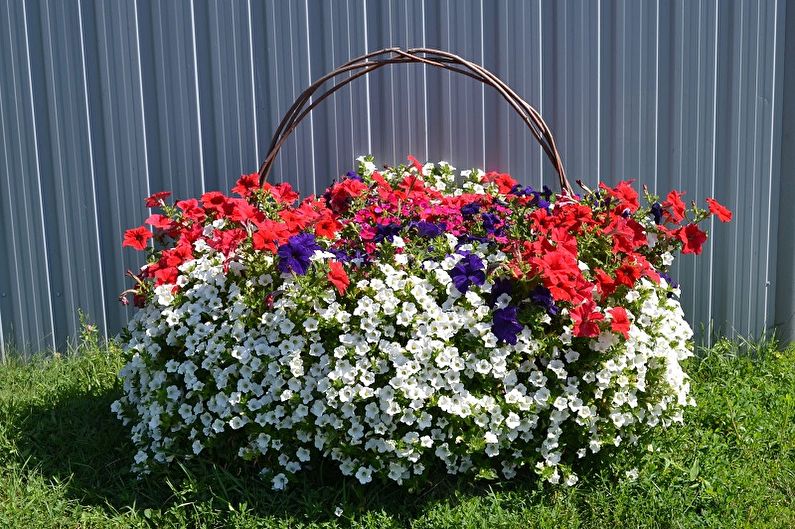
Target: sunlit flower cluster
(406, 321)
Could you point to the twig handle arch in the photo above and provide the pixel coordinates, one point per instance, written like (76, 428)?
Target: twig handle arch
(369, 62)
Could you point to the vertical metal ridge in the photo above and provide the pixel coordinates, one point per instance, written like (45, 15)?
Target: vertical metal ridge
(657, 92)
(695, 271)
(241, 164)
(367, 83)
(69, 280)
(20, 299)
(141, 100)
(253, 85)
(92, 172)
(425, 84)
(198, 98)
(751, 270)
(482, 92)
(737, 173)
(710, 294)
(540, 90)
(278, 107)
(767, 283)
(391, 73)
(45, 255)
(598, 93)
(11, 216)
(311, 119)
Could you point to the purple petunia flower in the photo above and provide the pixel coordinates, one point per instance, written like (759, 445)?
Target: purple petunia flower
(518, 190)
(505, 325)
(386, 231)
(542, 296)
(470, 209)
(429, 229)
(668, 279)
(490, 221)
(469, 271)
(294, 256)
(501, 286)
(657, 212)
(341, 255)
(353, 176)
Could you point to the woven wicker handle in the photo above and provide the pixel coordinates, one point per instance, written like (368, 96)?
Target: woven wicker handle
(442, 59)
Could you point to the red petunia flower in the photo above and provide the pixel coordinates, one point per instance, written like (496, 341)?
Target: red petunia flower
(153, 201)
(605, 283)
(416, 163)
(192, 209)
(136, 238)
(243, 211)
(327, 227)
(723, 213)
(692, 238)
(674, 207)
(159, 221)
(341, 194)
(627, 274)
(505, 183)
(283, 193)
(270, 235)
(626, 195)
(619, 321)
(623, 235)
(166, 275)
(338, 277)
(246, 184)
(585, 320)
(215, 201)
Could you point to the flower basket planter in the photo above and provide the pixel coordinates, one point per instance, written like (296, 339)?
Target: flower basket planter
(411, 318)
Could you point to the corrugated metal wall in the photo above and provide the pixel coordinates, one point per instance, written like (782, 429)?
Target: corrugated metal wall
(102, 103)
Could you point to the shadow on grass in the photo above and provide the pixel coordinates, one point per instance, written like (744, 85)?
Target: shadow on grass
(80, 443)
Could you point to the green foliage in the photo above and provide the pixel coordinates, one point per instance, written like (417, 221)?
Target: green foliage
(64, 462)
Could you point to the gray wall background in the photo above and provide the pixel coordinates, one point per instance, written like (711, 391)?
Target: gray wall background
(104, 102)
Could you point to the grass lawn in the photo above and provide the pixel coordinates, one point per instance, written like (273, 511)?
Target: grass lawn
(64, 462)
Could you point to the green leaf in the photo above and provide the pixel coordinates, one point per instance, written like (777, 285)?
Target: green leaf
(694, 469)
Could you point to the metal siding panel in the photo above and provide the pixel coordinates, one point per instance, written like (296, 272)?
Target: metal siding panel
(14, 323)
(76, 259)
(30, 252)
(784, 315)
(169, 83)
(116, 100)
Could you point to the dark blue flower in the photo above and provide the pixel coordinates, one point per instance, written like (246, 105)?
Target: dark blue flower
(668, 279)
(353, 176)
(490, 221)
(429, 229)
(657, 212)
(501, 286)
(547, 193)
(541, 295)
(469, 271)
(386, 231)
(465, 238)
(505, 325)
(518, 190)
(295, 254)
(470, 209)
(341, 255)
